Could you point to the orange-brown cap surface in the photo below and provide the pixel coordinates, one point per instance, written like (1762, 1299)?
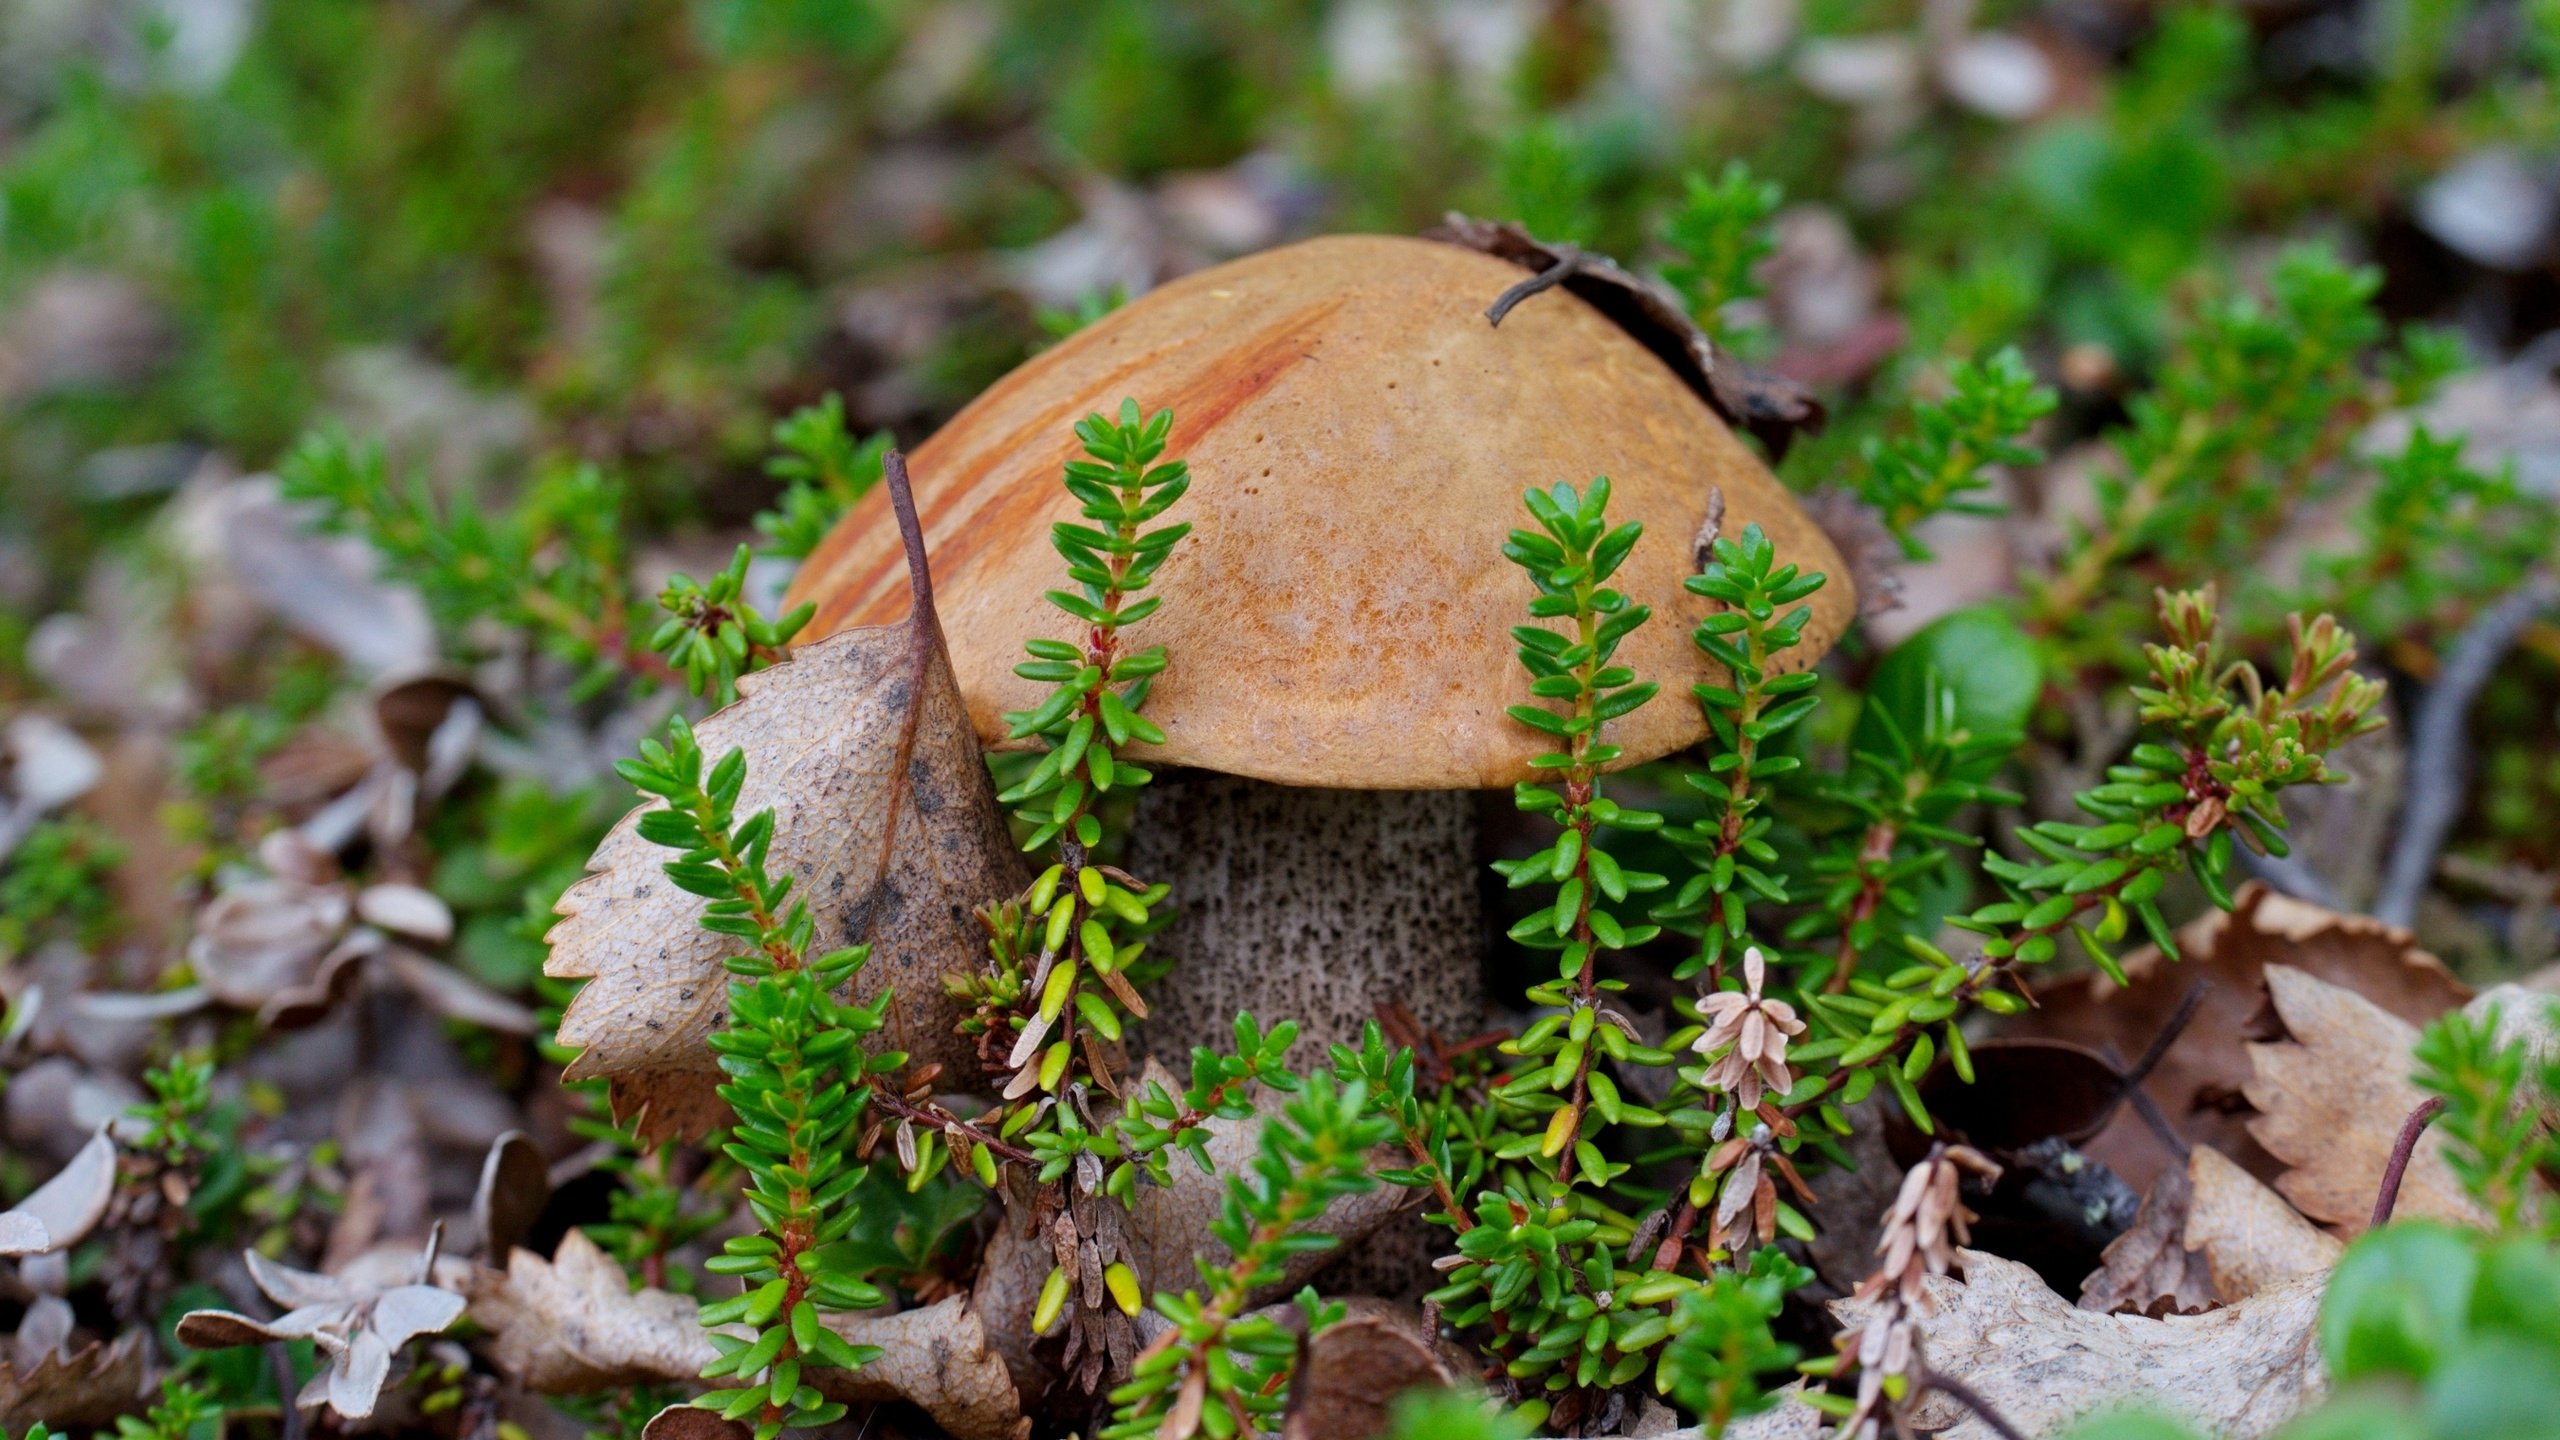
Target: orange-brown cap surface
(1359, 437)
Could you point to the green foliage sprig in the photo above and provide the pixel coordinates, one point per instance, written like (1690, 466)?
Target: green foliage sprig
(2244, 422)
(1953, 445)
(798, 1080)
(2496, 1136)
(712, 635)
(2226, 743)
(823, 470)
(1219, 1370)
(1718, 235)
(1570, 559)
(56, 883)
(554, 566)
(1729, 845)
(1722, 1363)
(1063, 954)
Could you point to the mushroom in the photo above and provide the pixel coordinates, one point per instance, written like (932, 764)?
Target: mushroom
(1338, 621)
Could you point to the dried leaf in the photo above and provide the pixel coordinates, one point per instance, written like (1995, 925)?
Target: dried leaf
(691, 1422)
(66, 1207)
(1772, 407)
(2239, 1371)
(355, 1317)
(573, 1324)
(882, 807)
(2249, 1238)
(89, 1386)
(1351, 1372)
(2148, 1269)
(2198, 1084)
(515, 1185)
(2331, 1100)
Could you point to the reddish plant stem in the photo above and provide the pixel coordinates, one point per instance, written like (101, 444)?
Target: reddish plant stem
(2397, 1167)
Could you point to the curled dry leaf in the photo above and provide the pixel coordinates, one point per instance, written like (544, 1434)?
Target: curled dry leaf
(863, 748)
(2209, 1234)
(515, 1185)
(2331, 1098)
(88, 1386)
(692, 1422)
(66, 1207)
(2238, 1371)
(2148, 1270)
(573, 1324)
(2199, 1083)
(358, 1324)
(1350, 1373)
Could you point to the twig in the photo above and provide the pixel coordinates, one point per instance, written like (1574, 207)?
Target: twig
(2288, 874)
(1568, 262)
(2401, 1149)
(2440, 748)
(2129, 1083)
(1972, 1400)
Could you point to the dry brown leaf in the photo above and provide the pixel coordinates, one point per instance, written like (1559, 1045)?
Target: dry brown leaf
(862, 747)
(2199, 1083)
(66, 1207)
(2331, 1100)
(573, 1324)
(690, 1422)
(2148, 1270)
(1350, 1373)
(515, 1184)
(2249, 1238)
(2238, 1371)
(89, 1386)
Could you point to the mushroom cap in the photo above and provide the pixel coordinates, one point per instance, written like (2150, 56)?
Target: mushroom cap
(1359, 436)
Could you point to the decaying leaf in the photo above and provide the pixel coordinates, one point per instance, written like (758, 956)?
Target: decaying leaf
(2198, 1083)
(2238, 1371)
(515, 1183)
(2148, 1270)
(66, 1207)
(863, 748)
(360, 1325)
(88, 1386)
(2331, 1100)
(573, 1324)
(1770, 406)
(1350, 1373)
(2249, 1238)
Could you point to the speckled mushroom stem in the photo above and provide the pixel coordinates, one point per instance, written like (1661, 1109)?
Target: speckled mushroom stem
(1310, 904)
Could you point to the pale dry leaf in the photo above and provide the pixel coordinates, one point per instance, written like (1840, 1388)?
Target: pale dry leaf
(2248, 1237)
(2148, 1270)
(573, 1324)
(88, 1386)
(2239, 1371)
(2331, 1100)
(863, 748)
(66, 1207)
(2198, 1084)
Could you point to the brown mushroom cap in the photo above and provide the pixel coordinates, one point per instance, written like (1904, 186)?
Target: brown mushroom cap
(1359, 437)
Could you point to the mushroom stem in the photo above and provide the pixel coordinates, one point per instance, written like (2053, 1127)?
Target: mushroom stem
(1310, 905)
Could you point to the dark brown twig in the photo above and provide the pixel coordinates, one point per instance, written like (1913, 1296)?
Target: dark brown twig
(1568, 263)
(2401, 1149)
(2129, 1085)
(1972, 1400)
